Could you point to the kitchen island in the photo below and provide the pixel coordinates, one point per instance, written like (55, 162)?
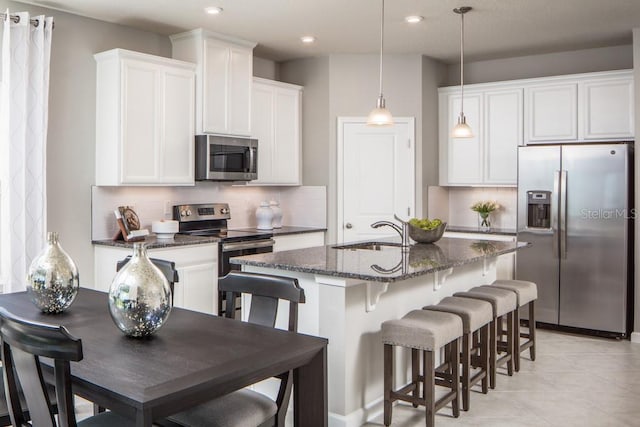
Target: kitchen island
(351, 289)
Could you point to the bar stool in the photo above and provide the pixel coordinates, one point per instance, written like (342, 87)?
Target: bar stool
(503, 303)
(426, 331)
(476, 317)
(526, 294)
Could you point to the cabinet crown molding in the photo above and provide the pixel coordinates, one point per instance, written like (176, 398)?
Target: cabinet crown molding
(201, 32)
(146, 57)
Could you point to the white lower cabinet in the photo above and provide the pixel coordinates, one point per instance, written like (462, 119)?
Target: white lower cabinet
(197, 265)
(290, 242)
(506, 264)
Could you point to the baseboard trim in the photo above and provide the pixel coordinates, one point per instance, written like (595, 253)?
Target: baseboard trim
(635, 337)
(358, 417)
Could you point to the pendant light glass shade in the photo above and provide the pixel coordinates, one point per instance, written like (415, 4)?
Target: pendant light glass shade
(380, 116)
(462, 129)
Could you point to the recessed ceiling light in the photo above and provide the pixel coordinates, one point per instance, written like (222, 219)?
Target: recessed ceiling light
(213, 10)
(413, 19)
(307, 39)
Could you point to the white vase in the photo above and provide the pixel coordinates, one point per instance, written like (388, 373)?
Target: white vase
(264, 217)
(277, 214)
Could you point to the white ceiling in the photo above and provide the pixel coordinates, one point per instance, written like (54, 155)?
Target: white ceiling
(493, 29)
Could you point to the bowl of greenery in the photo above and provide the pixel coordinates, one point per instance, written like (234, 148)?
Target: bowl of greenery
(426, 230)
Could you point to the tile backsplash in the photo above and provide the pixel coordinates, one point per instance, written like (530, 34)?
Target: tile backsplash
(304, 206)
(454, 203)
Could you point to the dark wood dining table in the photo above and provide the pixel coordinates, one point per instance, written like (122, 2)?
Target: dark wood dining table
(193, 358)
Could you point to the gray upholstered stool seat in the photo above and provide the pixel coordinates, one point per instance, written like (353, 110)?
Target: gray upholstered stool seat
(426, 332)
(503, 303)
(223, 411)
(476, 316)
(526, 295)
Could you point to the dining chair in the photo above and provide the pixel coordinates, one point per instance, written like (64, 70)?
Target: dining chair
(23, 343)
(247, 407)
(168, 268)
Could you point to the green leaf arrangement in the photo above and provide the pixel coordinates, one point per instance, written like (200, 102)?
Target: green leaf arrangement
(485, 207)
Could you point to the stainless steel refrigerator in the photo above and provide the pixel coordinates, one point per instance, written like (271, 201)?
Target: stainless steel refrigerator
(575, 207)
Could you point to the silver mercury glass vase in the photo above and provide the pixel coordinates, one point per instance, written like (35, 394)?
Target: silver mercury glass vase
(52, 280)
(139, 296)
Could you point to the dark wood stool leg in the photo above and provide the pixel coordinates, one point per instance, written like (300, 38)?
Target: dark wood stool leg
(415, 372)
(455, 377)
(532, 330)
(466, 363)
(516, 340)
(388, 383)
(429, 388)
(484, 355)
(510, 343)
(493, 350)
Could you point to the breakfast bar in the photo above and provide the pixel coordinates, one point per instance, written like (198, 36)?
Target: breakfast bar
(351, 289)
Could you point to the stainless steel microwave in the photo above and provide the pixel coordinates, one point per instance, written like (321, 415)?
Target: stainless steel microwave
(224, 158)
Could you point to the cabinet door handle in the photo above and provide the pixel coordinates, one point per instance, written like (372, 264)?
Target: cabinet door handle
(348, 225)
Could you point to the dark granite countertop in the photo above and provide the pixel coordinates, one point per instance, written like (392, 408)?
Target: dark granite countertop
(152, 242)
(492, 230)
(186, 240)
(389, 264)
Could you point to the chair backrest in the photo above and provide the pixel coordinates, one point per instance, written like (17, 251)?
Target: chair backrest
(266, 291)
(23, 343)
(168, 268)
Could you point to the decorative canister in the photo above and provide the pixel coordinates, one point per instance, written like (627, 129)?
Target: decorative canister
(52, 280)
(139, 296)
(264, 217)
(277, 214)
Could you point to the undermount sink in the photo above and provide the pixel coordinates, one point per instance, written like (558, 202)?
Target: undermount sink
(369, 246)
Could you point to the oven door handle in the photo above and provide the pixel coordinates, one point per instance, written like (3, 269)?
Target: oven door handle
(255, 244)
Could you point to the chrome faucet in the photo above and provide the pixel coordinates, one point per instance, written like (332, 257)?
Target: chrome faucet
(403, 232)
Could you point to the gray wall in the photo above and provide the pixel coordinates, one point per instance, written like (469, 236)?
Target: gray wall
(71, 140)
(551, 64)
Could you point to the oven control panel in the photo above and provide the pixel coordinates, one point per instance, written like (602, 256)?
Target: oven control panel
(200, 212)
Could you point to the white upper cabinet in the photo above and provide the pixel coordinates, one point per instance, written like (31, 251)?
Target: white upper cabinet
(552, 112)
(580, 108)
(549, 110)
(223, 80)
(144, 119)
(490, 156)
(276, 125)
(503, 132)
(607, 107)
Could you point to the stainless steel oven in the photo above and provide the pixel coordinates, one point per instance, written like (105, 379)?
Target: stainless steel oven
(210, 219)
(223, 158)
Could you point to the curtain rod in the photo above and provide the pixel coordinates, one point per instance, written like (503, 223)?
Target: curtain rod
(16, 19)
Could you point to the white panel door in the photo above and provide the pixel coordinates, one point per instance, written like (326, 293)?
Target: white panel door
(551, 112)
(378, 176)
(287, 136)
(215, 87)
(177, 148)
(465, 154)
(140, 125)
(607, 108)
(240, 81)
(502, 134)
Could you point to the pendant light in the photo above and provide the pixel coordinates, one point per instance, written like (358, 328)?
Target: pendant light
(380, 116)
(462, 129)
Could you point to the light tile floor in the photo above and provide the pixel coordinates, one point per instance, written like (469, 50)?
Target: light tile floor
(575, 381)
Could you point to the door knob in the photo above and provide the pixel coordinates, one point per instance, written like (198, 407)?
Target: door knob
(348, 225)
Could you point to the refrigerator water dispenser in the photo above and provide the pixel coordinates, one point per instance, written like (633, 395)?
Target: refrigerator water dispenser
(539, 209)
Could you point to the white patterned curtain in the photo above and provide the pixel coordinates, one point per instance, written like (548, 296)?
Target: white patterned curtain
(26, 50)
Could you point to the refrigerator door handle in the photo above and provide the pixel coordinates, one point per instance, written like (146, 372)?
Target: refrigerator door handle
(555, 200)
(563, 214)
